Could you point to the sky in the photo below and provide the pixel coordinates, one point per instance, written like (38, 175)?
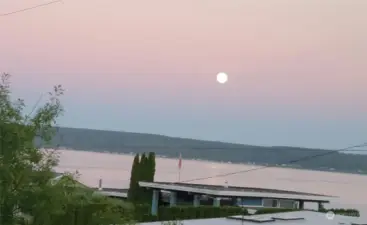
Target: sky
(297, 69)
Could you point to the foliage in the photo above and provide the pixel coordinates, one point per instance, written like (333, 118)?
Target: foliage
(165, 213)
(273, 210)
(142, 169)
(133, 193)
(344, 212)
(27, 192)
(151, 160)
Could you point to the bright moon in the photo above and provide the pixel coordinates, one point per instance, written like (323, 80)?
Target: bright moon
(222, 78)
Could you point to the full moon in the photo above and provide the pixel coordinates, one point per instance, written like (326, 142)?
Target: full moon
(222, 78)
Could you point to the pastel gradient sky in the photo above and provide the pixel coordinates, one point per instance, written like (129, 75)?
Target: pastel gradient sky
(297, 68)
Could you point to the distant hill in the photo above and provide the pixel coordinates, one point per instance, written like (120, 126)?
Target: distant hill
(126, 142)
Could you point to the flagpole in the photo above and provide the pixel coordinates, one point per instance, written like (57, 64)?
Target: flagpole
(179, 174)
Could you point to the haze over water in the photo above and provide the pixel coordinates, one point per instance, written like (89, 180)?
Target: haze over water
(115, 169)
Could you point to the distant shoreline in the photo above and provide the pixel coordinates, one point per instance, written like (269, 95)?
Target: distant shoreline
(220, 162)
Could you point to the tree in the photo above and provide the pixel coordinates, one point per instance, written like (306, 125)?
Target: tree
(150, 172)
(144, 173)
(151, 159)
(141, 170)
(133, 193)
(25, 171)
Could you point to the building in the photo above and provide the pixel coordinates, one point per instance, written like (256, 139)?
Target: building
(197, 194)
(287, 218)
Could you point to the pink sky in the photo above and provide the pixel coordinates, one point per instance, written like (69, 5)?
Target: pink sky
(301, 54)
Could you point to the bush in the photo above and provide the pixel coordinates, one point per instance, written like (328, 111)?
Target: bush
(273, 210)
(143, 212)
(344, 212)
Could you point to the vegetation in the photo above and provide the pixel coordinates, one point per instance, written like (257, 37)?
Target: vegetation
(179, 213)
(273, 210)
(28, 195)
(143, 169)
(344, 212)
(166, 213)
(126, 142)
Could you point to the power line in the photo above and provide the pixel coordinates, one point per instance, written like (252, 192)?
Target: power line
(288, 162)
(30, 8)
(245, 148)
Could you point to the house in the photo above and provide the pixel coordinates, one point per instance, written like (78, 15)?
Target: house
(197, 194)
(286, 218)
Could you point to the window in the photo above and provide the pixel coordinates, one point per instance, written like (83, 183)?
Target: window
(288, 204)
(274, 203)
(270, 203)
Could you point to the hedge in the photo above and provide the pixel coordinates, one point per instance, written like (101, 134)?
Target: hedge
(143, 212)
(273, 210)
(344, 212)
(166, 213)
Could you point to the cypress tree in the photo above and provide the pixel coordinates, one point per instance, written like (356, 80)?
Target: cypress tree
(151, 159)
(144, 168)
(142, 196)
(133, 193)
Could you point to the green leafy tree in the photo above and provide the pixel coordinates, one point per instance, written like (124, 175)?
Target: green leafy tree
(27, 193)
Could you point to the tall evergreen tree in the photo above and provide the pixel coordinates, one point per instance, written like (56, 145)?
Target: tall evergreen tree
(144, 168)
(151, 159)
(143, 177)
(133, 193)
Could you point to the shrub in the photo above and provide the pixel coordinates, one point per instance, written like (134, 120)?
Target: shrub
(273, 210)
(143, 213)
(344, 212)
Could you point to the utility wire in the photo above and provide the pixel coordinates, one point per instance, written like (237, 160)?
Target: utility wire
(30, 8)
(288, 162)
(244, 148)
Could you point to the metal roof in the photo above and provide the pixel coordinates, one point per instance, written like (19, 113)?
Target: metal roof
(232, 191)
(308, 218)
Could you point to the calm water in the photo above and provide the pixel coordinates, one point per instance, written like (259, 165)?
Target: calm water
(114, 169)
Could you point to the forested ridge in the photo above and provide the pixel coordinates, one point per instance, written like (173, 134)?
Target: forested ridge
(127, 142)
